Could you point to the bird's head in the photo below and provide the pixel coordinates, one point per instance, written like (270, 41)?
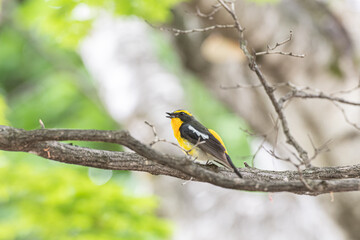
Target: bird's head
(183, 115)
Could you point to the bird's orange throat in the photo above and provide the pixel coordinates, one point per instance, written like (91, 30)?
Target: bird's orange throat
(175, 124)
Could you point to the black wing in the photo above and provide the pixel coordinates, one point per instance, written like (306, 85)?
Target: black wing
(195, 133)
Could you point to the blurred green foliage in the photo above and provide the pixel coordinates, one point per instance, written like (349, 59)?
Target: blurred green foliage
(68, 21)
(42, 77)
(3, 109)
(58, 202)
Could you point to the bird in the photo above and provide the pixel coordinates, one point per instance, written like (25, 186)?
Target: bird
(200, 142)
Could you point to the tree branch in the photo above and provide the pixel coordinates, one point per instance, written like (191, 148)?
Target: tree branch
(270, 50)
(268, 89)
(43, 142)
(296, 93)
(205, 29)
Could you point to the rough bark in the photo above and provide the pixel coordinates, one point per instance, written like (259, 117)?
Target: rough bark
(44, 143)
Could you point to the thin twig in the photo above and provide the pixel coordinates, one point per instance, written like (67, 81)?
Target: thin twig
(195, 30)
(317, 150)
(278, 44)
(42, 124)
(210, 15)
(357, 87)
(297, 93)
(231, 11)
(287, 159)
(188, 152)
(257, 151)
(269, 50)
(187, 181)
(281, 53)
(238, 85)
(357, 127)
(47, 150)
(157, 139)
(276, 128)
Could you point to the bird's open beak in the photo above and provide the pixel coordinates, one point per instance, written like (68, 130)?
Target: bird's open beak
(170, 115)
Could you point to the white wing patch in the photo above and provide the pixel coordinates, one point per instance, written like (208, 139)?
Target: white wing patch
(200, 134)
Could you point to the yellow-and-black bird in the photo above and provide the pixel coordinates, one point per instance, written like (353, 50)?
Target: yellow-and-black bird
(208, 144)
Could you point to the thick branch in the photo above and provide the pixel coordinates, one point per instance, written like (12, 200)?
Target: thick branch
(43, 143)
(71, 154)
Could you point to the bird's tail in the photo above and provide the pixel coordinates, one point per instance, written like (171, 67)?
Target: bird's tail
(232, 165)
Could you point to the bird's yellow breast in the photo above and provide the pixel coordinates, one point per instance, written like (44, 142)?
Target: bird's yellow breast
(176, 124)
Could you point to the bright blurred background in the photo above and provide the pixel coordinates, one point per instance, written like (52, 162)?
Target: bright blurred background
(100, 65)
